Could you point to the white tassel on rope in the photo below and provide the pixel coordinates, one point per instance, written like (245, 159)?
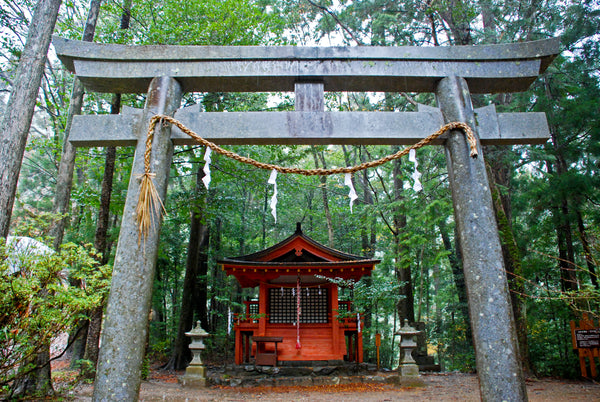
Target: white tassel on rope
(207, 160)
(358, 322)
(416, 176)
(352, 193)
(273, 181)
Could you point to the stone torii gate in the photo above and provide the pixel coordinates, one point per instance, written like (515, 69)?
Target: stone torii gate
(452, 73)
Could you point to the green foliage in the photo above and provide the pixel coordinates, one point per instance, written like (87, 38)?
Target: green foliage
(205, 22)
(44, 297)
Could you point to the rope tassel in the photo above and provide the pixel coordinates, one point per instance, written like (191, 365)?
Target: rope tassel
(149, 207)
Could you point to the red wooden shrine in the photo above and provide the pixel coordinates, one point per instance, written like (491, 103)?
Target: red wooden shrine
(291, 273)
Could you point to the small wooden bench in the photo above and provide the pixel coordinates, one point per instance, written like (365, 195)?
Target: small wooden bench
(263, 356)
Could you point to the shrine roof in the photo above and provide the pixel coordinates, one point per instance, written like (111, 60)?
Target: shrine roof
(297, 255)
(304, 249)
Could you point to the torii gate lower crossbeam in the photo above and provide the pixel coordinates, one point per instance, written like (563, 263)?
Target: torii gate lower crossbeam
(449, 72)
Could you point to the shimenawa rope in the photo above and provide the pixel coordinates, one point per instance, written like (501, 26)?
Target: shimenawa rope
(150, 205)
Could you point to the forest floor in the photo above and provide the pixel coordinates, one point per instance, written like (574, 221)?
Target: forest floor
(163, 386)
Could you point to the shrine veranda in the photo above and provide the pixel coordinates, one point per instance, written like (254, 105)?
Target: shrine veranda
(452, 73)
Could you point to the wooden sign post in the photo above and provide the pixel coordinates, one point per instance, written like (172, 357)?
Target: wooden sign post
(378, 345)
(586, 341)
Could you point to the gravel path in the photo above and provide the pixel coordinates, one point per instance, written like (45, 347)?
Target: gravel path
(438, 387)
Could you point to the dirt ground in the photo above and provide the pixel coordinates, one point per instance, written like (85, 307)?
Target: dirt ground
(438, 387)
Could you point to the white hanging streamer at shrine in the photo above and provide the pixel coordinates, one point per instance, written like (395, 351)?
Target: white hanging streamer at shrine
(273, 204)
(352, 193)
(207, 160)
(229, 318)
(416, 176)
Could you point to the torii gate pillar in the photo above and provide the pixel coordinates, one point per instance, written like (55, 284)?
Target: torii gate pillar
(500, 373)
(125, 324)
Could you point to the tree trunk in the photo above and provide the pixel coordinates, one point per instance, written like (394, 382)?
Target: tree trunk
(194, 284)
(457, 275)
(92, 346)
(564, 237)
(64, 181)
(21, 103)
(589, 259)
(38, 382)
(93, 338)
(77, 348)
(369, 228)
(318, 156)
(406, 308)
(560, 212)
(200, 295)
(459, 23)
(101, 236)
(218, 307)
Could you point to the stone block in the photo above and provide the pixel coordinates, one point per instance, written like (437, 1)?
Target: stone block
(191, 381)
(196, 371)
(409, 370)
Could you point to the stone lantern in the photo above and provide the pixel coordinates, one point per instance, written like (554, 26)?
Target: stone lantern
(408, 370)
(195, 373)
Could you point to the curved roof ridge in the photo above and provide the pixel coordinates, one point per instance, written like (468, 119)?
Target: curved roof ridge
(298, 234)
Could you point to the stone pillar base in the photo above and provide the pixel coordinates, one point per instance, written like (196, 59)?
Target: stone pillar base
(413, 382)
(194, 377)
(191, 381)
(409, 370)
(408, 376)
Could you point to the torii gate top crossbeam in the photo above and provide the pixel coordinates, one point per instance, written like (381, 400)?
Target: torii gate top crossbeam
(129, 69)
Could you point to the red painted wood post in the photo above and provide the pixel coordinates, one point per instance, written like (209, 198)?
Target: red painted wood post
(262, 310)
(335, 324)
(359, 343)
(238, 347)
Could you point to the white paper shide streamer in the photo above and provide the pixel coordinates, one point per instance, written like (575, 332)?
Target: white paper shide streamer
(207, 160)
(352, 193)
(229, 318)
(273, 205)
(416, 176)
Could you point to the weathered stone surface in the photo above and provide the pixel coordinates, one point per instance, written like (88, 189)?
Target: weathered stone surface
(498, 368)
(191, 381)
(323, 370)
(129, 69)
(235, 382)
(289, 128)
(125, 326)
(268, 370)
